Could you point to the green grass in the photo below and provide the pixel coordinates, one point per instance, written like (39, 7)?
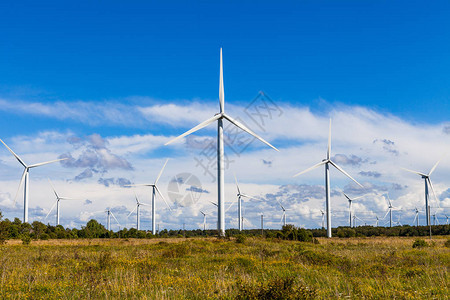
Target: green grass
(368, 268)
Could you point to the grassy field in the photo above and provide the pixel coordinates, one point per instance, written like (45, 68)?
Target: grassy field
(366, 268)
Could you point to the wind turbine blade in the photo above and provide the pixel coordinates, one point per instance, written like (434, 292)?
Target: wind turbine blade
(246, 129)
(389, 200)
(54, 204)
(47, 162)
(229, 206)
(329, 141)
(132, 211)
(20, 184)
(159, 192)
(279, 203)
(385, 215)
(237, 185)
(415, 172)
(56, 194)
(221, 90)
(249, 197)
(348, 198)
(160, 172)
(202, 213)
(432, 189)
(434, 167)
(15, 155)
(142, 184)
(311, 168)
(115, 218)
(198, 127)
(215, 204)
(345, 173)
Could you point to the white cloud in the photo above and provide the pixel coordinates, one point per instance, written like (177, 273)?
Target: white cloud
(364, 140)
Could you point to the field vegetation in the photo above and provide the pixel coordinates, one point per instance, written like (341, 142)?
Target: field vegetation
(231, 268)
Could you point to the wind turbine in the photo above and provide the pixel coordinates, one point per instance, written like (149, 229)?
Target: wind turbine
(240, 196)
(283, 217)
(219, 117)
(204, 219)
(350, 206)
(390, 207)
(376, 224)
(25, 177)
(138, 204)
(416, 217)
(58, 198)
(108, 223)
(446, 217)
(154, 190)
(426, 178)
(435, 219)
(327, 161)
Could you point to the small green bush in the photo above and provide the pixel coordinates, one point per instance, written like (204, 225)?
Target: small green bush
(26, 239)
(447, 243)
(240, 239)
(419, 243)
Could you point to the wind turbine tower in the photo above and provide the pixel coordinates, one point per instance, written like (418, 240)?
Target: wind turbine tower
(25, 179)
(327, 162)
(219, 117)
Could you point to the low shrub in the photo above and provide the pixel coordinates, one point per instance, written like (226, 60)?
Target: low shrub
(240, 239)
(419, 243)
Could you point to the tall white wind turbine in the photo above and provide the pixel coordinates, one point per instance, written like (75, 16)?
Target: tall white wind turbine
(58, 198)
(327, 162)
(25, 178)
(350, 200)
(154, 190)
(109, 213)
(219, 117)
(240, 196)
(426, 178)
(138, 215)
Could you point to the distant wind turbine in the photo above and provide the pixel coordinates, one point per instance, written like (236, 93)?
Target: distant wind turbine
(109, 213)
(219, 117)
(327, 161)
(204, 219)
(350, 206)
(427, 180)
(283, 217)
(137, 208)
(154, 190)
(240, 196)
(376, 224)
(416, 216)
(390, 207)
(25, 177)
(58, 198)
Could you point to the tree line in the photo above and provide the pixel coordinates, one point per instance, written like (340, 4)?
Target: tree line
(16, 229)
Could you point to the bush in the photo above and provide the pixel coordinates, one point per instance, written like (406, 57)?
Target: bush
(277, 288)
(240, 239)
(26, 239)
(419, 243)
(447, 243)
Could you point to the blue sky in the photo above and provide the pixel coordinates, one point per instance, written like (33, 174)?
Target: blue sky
(123, 69)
